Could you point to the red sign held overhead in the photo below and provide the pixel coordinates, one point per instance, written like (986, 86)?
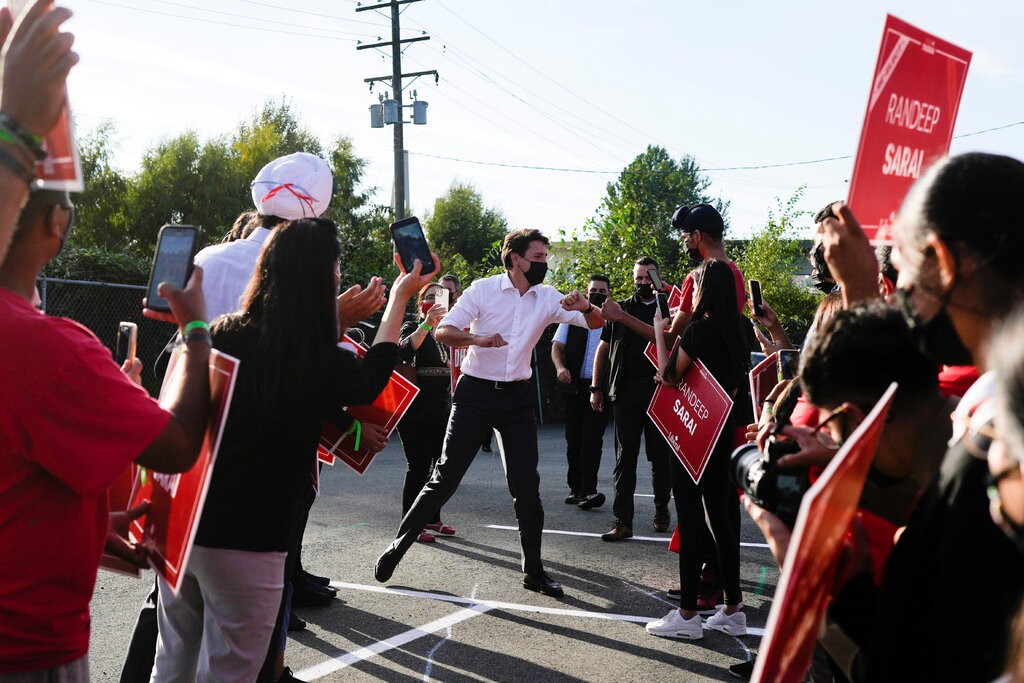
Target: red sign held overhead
(825, 515)
(763, 379)
(909, 121)
(387, 411)
(168, 530)
(691, 417)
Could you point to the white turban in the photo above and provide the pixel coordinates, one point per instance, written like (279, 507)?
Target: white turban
(295, 186)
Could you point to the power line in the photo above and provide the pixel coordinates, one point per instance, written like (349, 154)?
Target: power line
(314, 14)
(706, 170)
(223, 23)
(267, 21)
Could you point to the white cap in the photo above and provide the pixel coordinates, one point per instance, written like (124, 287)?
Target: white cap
(294, 186)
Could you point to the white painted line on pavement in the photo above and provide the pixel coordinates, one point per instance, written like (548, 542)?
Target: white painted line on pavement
(656, 539)
(509, 606)
(430, 655)
(341, 661)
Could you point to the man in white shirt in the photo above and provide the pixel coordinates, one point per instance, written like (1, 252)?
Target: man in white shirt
(506, 315)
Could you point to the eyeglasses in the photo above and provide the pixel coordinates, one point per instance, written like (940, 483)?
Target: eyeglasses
(977, 435)
(824, 437)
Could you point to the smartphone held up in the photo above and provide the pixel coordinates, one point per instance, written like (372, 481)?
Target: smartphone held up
(659, 291)
(411, 244)
(756, 301)
(172, 262)
(126, 343)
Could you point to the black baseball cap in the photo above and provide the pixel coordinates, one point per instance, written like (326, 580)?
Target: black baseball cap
(699, 217)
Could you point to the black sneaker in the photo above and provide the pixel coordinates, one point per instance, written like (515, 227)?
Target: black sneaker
(743, 670)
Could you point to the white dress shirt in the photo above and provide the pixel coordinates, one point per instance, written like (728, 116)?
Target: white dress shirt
(494, 305)
(227, 269)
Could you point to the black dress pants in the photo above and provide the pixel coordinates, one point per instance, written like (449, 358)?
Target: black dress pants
(478, 407)
(631, 422)
(584, 438)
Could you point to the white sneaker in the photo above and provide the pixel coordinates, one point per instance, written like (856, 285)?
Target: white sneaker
(675, 625)
(733, 624)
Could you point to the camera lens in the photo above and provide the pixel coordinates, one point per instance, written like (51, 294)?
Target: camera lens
(745, 466)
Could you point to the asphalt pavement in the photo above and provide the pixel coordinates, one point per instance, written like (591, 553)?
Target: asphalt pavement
(456, 610)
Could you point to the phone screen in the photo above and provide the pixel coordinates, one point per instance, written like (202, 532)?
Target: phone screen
(755, 298)
(411, 244)
(172, 262)
(127, 335)
(789, 364)
(659, 284)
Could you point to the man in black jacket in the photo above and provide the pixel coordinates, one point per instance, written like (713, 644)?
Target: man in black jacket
(621, 365)
(572, 353)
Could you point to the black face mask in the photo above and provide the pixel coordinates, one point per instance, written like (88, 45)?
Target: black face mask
(598, 299)
(535, 275)
(695, 256)
(936, 337)
(645, 291)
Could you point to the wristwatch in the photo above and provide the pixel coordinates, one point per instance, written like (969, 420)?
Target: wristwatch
(594, 390)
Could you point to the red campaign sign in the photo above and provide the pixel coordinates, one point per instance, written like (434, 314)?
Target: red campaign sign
(651, 351)
(691, 417)
(763, 379)
(387, 411)
(675, 300)
(915, 95)
(118, 496)
(62, 168)
(826, 513)
(168, 530)
(456, 354)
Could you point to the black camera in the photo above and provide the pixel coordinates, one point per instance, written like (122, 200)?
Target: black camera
(778, 490)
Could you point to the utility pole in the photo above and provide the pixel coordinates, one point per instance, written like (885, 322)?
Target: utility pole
(396, 88)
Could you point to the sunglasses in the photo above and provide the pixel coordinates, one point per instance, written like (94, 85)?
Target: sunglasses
(824, 437)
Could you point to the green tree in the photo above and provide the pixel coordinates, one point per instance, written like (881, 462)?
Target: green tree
(273, 131)
(461, 225)
(633, 220)
(100, 209)
(773, 256)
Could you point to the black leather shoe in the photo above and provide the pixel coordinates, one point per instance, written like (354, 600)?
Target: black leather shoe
(296, 623)
(319, 580)
(591, 502)
(306, 594)
(288, 677)
(572, 498)
(542, 583)
(386, 564)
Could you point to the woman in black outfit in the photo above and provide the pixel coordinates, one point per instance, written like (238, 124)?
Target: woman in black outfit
(422, 429)
(713, 337)
(291, 374)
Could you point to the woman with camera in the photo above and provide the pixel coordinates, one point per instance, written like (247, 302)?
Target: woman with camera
(422, 429)
(713, 336)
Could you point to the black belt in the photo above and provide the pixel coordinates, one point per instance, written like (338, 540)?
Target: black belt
(496, 384)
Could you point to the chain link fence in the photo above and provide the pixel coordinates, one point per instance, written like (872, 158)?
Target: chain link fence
(100, 306)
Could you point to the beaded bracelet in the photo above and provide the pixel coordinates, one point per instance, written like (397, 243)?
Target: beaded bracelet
(34, 143)
(9, 161)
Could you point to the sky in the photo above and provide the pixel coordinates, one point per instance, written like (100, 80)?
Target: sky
(583, 85)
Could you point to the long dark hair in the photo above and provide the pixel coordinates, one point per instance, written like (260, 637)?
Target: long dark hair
(714, 297)
(291, 302)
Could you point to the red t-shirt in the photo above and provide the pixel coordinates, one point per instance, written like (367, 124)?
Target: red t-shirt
(741, 289)
(71, 422)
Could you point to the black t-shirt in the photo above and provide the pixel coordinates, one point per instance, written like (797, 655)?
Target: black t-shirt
(267, 453)
(433, 376)
(708, 341)
(951, 585)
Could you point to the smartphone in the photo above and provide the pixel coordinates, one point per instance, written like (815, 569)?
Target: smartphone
(789, 364)
(443, 298)
(755, 298)
(411, 244)
(659, 291)
(127, 339)
(172, 262)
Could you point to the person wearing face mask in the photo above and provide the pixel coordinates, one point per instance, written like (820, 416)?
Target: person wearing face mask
(572, 353)
(621, 366)
(423, 425)
(702, 228)
(957, 248)
(506, 315)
